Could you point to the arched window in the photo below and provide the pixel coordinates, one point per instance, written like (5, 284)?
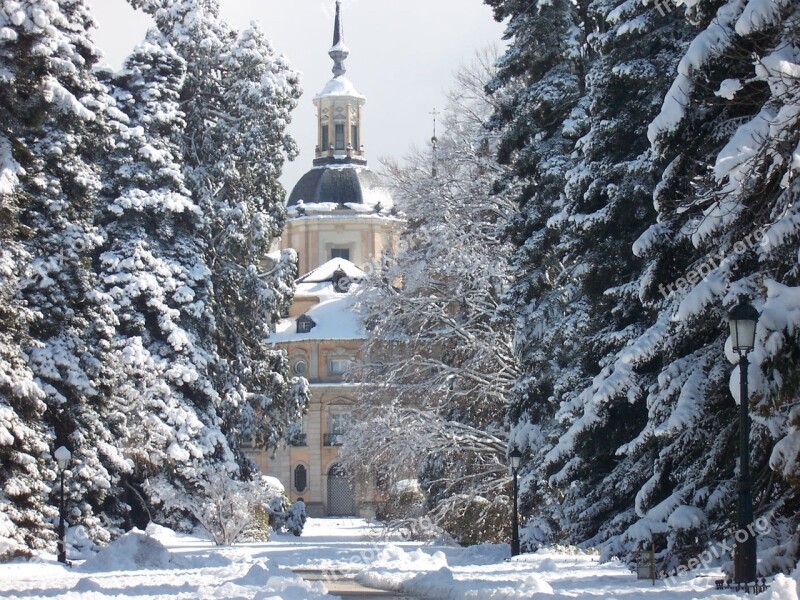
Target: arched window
(300, 478)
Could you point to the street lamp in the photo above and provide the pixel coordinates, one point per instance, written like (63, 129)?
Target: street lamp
(742, 320)
(515, 456)
(62, 458)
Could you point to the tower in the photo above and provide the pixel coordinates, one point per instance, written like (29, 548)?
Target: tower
(340, 208)
(340, 220)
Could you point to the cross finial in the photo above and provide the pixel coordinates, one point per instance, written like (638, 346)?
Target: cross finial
(435, 113)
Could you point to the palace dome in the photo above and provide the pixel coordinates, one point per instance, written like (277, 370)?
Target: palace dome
(341, 185)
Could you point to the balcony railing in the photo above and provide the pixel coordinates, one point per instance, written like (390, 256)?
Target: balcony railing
(333, 439)
(300, 440)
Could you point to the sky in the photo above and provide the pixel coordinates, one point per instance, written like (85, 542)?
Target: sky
(403, 56)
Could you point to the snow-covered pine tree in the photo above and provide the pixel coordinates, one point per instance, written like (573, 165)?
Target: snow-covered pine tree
(726, 140)
(727, 225)
(237, 96)
(438, 363)
(153, 267)
(24, 442)
(607, 205)
(542, 112)
(56, 130)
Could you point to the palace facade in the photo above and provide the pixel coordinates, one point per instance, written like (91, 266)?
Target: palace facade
(341, 219)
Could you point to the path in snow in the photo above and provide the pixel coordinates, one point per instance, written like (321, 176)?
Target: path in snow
(333, 551)
(343, 557)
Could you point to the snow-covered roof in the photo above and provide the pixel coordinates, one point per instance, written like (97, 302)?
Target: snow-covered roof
(325, 271)
(333, 316)
(339, 86)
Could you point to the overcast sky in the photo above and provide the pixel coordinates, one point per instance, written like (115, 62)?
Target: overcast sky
(402, 58)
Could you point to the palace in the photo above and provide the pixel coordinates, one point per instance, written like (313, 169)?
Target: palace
(341, 219)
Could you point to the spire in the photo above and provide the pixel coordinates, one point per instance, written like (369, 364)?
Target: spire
(434, 142)
(338, 52)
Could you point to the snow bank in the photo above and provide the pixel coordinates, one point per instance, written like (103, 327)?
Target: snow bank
(393, 566)
(784, 587)
(482, 554)
(134, 550)
(429, 575)
(262, 583)
(396, 558)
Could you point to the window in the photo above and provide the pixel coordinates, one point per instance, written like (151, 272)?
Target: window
(339, 132)
(300, 367)
(300, 478)
(339, 423)
(305, 324)
(297, 436)
(340, 253)
(354, 136)
(325, 138)
(337, 366)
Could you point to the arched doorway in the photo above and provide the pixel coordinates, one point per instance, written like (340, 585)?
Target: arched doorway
(341, 499)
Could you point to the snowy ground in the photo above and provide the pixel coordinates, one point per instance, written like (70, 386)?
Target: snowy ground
(166, 565)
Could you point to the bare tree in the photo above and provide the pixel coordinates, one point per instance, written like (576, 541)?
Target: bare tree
(438, 362)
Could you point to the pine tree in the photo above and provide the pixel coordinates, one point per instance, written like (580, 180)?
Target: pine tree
(725, 227)
(542, 109)
(153, 267)
(23, 440)
(637, 427)
(607, 206)
(57, 129)
(237, 96)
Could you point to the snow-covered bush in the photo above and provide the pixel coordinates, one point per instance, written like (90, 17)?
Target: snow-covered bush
(286, 517)
(278, 509)
(259, 528)
(475, 520)
(223, 506)
(296, 519)
(404, 500)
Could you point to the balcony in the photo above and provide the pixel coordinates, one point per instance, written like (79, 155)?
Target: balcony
(333, 439)
(300, 440)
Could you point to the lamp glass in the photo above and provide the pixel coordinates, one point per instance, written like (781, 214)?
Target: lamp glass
(62, 457)
(516, 457)
(742, 320)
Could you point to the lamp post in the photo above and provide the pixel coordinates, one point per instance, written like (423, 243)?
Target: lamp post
(515, 456)
(742, 320)
(62, 458)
